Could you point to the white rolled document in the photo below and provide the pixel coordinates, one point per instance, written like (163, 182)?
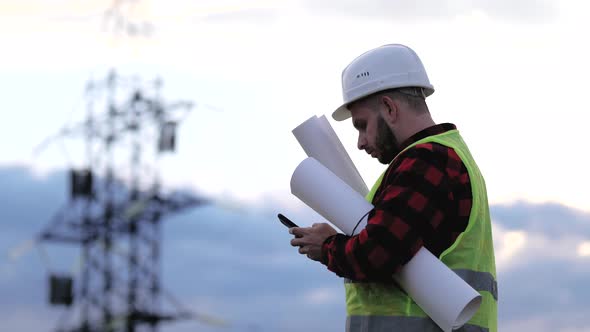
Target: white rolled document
(446, 298)
(319, 140)
(329, 196)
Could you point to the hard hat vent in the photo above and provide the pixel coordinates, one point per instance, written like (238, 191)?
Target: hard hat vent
(364, 74)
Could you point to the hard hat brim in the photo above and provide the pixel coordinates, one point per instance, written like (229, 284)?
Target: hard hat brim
(341, 113)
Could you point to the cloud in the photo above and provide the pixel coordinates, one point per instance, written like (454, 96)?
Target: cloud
(237, 265)
(541, 253)
(247, 15)
(584, 249)
(550, 218)
(551, 291)
(539, 323)
(519, 11)
(507, 245)
(322, 296)
(520, 248)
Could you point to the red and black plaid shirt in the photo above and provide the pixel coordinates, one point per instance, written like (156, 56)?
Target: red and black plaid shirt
(424, 200)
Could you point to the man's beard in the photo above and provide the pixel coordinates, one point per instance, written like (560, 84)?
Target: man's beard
(386, 142)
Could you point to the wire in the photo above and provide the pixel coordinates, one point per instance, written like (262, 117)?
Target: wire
(18, 251)
(44, 257)
(64, 150)
(358, 223)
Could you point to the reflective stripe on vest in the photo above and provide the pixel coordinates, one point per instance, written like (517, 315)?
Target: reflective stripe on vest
(480, 281)
(398, 323)
(385, 307)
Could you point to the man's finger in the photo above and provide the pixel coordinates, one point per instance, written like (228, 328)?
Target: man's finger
(303, 250)
(298, 231)
(297, 242)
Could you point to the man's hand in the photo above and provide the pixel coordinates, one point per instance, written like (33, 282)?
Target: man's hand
(310, 239)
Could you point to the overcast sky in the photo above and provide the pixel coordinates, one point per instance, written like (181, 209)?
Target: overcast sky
(510, 74)
(239, 267)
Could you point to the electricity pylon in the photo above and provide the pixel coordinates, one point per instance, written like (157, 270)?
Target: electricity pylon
(116, 207)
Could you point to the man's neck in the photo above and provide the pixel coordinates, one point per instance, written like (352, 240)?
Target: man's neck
(419, 123)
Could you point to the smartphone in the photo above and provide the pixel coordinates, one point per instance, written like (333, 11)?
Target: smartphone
(285, 221)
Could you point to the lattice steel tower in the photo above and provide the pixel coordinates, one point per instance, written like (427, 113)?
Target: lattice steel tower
(116, 207)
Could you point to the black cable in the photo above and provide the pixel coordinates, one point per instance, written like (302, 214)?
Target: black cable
(357, 224)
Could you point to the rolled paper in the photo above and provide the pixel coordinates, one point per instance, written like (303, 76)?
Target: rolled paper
(319, 140)
(329, 196)
(446, 298)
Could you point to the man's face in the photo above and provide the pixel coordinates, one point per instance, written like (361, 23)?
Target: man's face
(375, 136)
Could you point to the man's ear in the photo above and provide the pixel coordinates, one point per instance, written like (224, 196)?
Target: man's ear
(389, 110)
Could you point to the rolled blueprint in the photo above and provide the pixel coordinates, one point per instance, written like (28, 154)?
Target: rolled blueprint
(319, 140)
(329, 196)
(446, 298)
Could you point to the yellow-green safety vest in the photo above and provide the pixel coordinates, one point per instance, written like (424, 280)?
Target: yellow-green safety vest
(375, 307)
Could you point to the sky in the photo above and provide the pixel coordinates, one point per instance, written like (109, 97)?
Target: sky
(509, 74)
(237, 266)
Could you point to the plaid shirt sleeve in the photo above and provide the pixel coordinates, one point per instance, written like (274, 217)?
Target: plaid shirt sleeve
(424, 200)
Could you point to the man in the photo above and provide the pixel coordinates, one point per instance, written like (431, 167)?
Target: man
(432, 194)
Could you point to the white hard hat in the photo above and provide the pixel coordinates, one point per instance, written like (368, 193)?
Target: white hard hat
(386, 67)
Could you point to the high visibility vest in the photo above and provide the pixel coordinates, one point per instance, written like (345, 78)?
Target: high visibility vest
(385, 307)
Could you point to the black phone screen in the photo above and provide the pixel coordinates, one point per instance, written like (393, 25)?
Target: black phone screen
(285, 221)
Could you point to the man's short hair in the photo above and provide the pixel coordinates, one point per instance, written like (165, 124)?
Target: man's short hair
(414, 97)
